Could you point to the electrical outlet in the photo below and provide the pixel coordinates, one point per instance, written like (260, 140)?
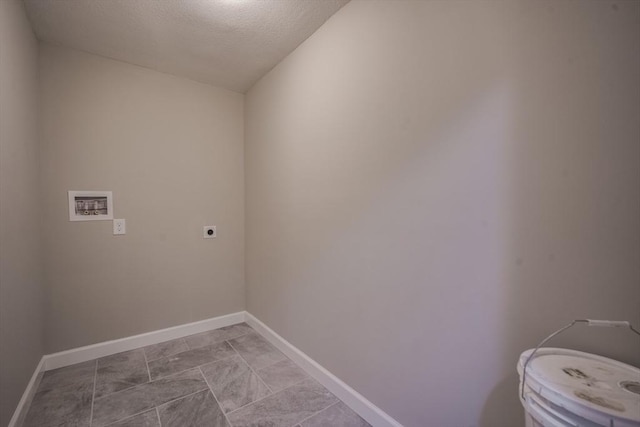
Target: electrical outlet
(209, 232)
(119, 226)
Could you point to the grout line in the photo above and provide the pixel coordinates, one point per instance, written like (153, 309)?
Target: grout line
(192, 335)
(300, 381)
(118, 391)
(124, 389)
(313, 415)
(273, 394)
(158, 415)
(128, 417)
(214, 395)
(213, 361)
(186, 344)
(146, 363)
(251, 368)
(93, 395)
(181, 397)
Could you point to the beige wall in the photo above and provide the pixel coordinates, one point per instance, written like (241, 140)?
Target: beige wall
(171, 151)
(433, 187)
(21, 284)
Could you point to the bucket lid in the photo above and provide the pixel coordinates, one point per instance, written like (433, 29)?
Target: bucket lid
(593, 382)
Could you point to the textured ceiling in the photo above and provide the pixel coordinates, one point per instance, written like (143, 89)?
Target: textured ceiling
(228, 43)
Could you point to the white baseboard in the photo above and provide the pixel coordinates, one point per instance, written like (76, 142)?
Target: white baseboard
(107, 348)
(25, 401)
(367, 410)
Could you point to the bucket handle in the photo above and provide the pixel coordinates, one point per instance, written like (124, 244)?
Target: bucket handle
(589, 322)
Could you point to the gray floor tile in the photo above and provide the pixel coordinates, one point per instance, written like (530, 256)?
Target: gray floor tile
(146, 419)
(164, 349)
(61, 377)
(122, 404)
(233, 383)
(256, 351)
(282, 375)
(120, 371)
(197, 410)
(217, 335)
(189, 359)
(338, 415)
(69, 405)
(285, 408)
(248, 378)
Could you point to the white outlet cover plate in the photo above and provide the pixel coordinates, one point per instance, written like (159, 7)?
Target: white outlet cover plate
(119, 226)
(205, 232)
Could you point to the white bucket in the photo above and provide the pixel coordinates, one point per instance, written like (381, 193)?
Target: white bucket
(568, 388)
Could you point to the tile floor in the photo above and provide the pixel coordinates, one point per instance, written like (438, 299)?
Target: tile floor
(228, 377)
